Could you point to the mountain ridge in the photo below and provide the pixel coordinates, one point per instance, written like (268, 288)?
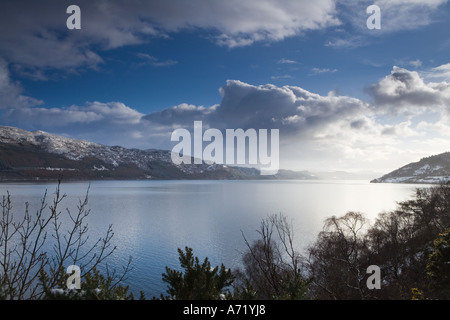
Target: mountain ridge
(38, 155)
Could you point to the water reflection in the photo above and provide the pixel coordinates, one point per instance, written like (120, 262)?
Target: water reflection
(151, 219)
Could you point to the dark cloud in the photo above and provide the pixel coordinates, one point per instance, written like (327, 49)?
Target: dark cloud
(405, 92)
(293, 110)
(181, 115)
(11, 93)
(34, 33)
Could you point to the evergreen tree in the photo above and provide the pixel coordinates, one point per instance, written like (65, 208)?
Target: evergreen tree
(199, 281)
(438, 268)
(95, 286)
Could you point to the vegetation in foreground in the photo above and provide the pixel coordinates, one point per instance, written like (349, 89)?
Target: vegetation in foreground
(410, 245)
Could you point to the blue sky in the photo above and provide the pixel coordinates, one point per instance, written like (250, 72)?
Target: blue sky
(344, 97)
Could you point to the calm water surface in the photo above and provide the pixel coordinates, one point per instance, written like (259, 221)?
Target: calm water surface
(151, 219)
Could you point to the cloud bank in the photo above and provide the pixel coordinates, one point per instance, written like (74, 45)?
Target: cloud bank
(312, 126)
(405, 92)
(39, 38)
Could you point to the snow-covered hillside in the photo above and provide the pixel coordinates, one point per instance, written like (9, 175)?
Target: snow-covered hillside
(434, 169)
(76, 149)
(37, 154)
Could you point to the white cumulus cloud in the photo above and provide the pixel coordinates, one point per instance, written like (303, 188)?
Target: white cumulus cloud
(11, 92)
(406, 92)
(315, 130)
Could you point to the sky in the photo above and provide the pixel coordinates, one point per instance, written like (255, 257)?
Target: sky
(343, 96)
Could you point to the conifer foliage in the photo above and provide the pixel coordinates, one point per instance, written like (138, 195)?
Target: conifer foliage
(197, 281)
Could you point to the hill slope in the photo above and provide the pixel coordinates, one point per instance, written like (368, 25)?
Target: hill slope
(38, 155)
(432, 169)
